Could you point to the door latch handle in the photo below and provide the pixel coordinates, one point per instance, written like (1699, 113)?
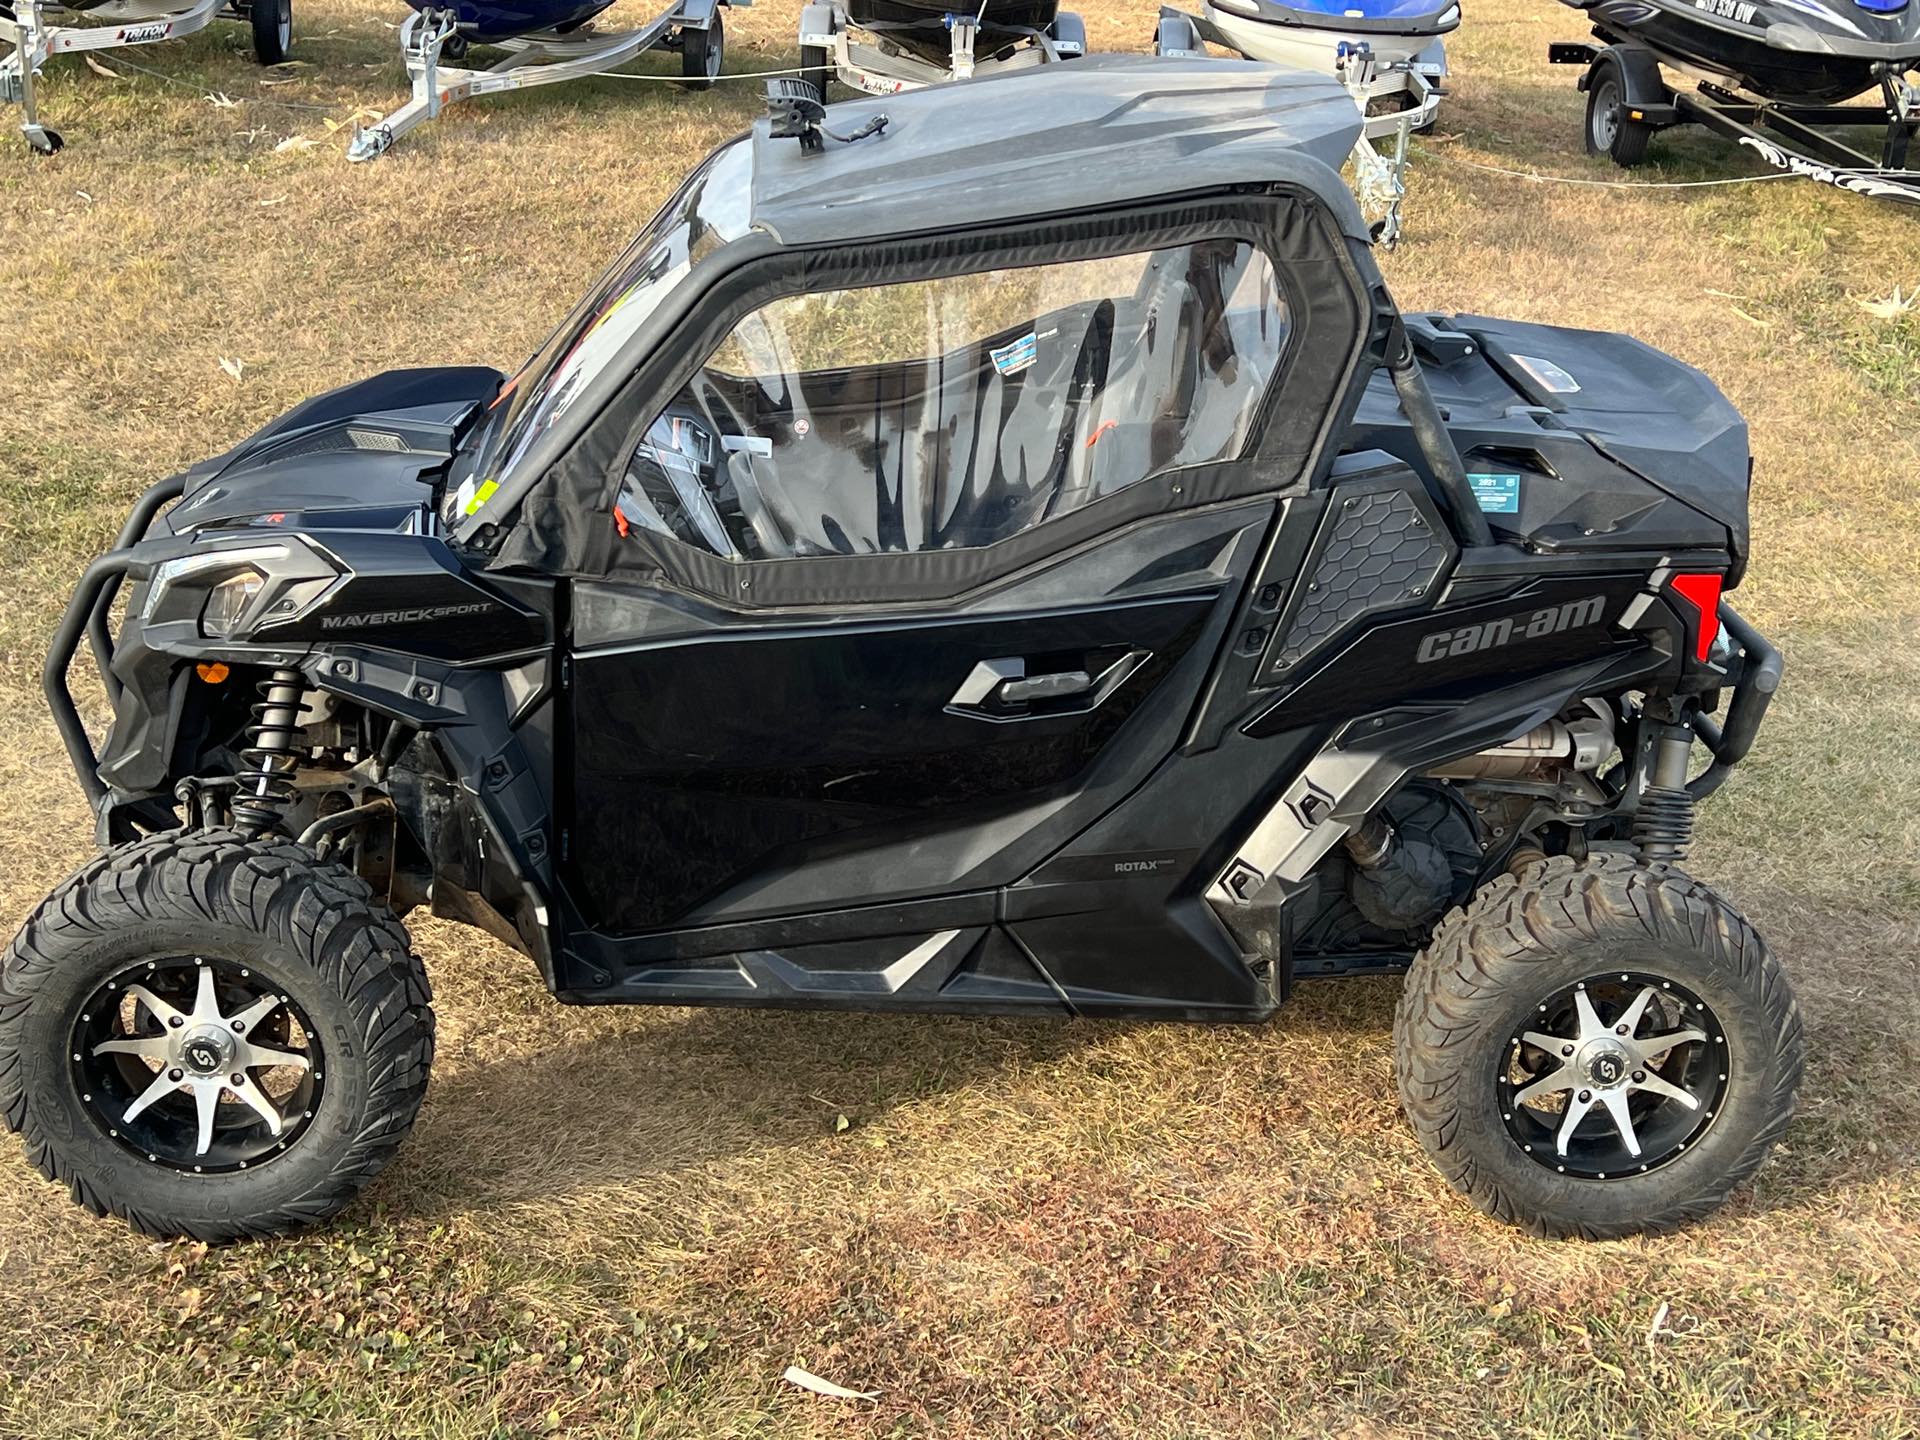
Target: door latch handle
(996, 687)
(1057, 686)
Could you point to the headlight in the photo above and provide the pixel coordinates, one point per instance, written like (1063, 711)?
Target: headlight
(228, 602)
(236, 576)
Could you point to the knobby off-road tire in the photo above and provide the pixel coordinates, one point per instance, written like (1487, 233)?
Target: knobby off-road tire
(1492, 964)
(313, 931)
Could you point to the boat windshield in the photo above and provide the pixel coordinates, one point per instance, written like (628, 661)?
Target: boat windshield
(1369, 9)
(711, 209)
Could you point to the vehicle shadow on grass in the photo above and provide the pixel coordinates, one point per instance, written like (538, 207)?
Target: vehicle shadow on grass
(632, 1098)
(635, 1100)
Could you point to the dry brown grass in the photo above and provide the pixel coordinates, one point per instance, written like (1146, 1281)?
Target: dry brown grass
(629, 1222)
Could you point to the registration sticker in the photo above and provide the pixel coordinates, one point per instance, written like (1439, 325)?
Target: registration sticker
(1498, 494)
(1012, 358)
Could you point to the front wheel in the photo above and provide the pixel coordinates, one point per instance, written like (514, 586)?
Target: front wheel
(1597, 1048)
(212, 1037)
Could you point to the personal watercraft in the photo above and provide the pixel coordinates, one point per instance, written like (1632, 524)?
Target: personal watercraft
(883, 47)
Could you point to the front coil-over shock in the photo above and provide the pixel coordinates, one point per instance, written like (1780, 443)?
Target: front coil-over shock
(269, 759)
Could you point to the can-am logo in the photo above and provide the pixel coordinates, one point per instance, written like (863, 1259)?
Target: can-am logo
(1492, 634)
(424, 615)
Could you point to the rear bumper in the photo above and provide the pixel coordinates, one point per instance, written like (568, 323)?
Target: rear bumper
(1728, 741)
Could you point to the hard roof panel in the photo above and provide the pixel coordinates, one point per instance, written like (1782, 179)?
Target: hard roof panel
(1057, 138)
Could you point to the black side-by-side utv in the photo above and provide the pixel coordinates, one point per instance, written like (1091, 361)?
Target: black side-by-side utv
(1019, 560)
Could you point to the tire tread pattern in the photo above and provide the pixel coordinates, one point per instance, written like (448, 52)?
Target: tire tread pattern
(1480, 953)
(320, 910)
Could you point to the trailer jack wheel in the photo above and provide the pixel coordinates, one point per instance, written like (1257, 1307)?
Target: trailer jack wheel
(43, 140)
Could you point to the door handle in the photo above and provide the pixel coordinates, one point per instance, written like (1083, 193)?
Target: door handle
(995, 687)
(1057, 686)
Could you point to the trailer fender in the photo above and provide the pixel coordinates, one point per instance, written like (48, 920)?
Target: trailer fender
(1177, 36)
(1640, 80)
(698, 14)
(816, 26)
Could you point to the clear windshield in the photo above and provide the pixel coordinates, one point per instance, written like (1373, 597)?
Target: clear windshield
(709, 210)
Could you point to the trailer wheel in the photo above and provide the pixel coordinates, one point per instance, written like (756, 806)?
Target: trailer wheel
(1597, 1048)
(816, 68)
(212, 1037)
(1611, 131)
(272, 29)
(702, 53)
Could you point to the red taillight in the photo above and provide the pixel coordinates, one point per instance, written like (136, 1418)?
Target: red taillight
(1703, 593)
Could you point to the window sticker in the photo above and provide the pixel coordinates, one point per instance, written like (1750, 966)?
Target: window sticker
(1013, 358)
(1498, 494)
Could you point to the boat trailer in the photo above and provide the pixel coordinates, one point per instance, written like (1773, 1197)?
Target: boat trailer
(1789, 137)
(692, 27)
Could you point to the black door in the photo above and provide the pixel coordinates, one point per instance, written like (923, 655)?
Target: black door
(1034, 441)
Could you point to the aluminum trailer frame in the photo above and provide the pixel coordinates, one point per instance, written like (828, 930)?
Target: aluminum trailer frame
(877, 69)
(1380, 154)
(540, 58)
(35, 41)
(1797, 143)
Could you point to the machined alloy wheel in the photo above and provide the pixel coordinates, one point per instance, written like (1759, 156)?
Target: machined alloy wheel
(196, 1064)
(211, 1035)
(1620, 1073)
(1597, 1048)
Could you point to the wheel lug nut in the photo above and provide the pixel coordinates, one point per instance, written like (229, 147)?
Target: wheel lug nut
(239, 1079)
(1618, 1029)
(1566, 1050)
(1585, 1096)
(240, 1025)
(176, 1022)
(1639, 1077)
(176, 1074)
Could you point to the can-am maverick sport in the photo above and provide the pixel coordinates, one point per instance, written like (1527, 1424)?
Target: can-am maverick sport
(1023, 562)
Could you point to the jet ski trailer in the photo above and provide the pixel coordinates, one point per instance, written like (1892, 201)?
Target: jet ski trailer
(115, 25)
(886, 46)
(1387, 53)
(1773, 76)
(547, 41)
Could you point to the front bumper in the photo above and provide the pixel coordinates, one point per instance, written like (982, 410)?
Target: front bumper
(88, 616)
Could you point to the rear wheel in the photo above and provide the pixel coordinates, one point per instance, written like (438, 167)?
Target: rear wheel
(1611, 131)
(272, 30)
(1597, 1048)
(702, 52)
(212, 1037)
